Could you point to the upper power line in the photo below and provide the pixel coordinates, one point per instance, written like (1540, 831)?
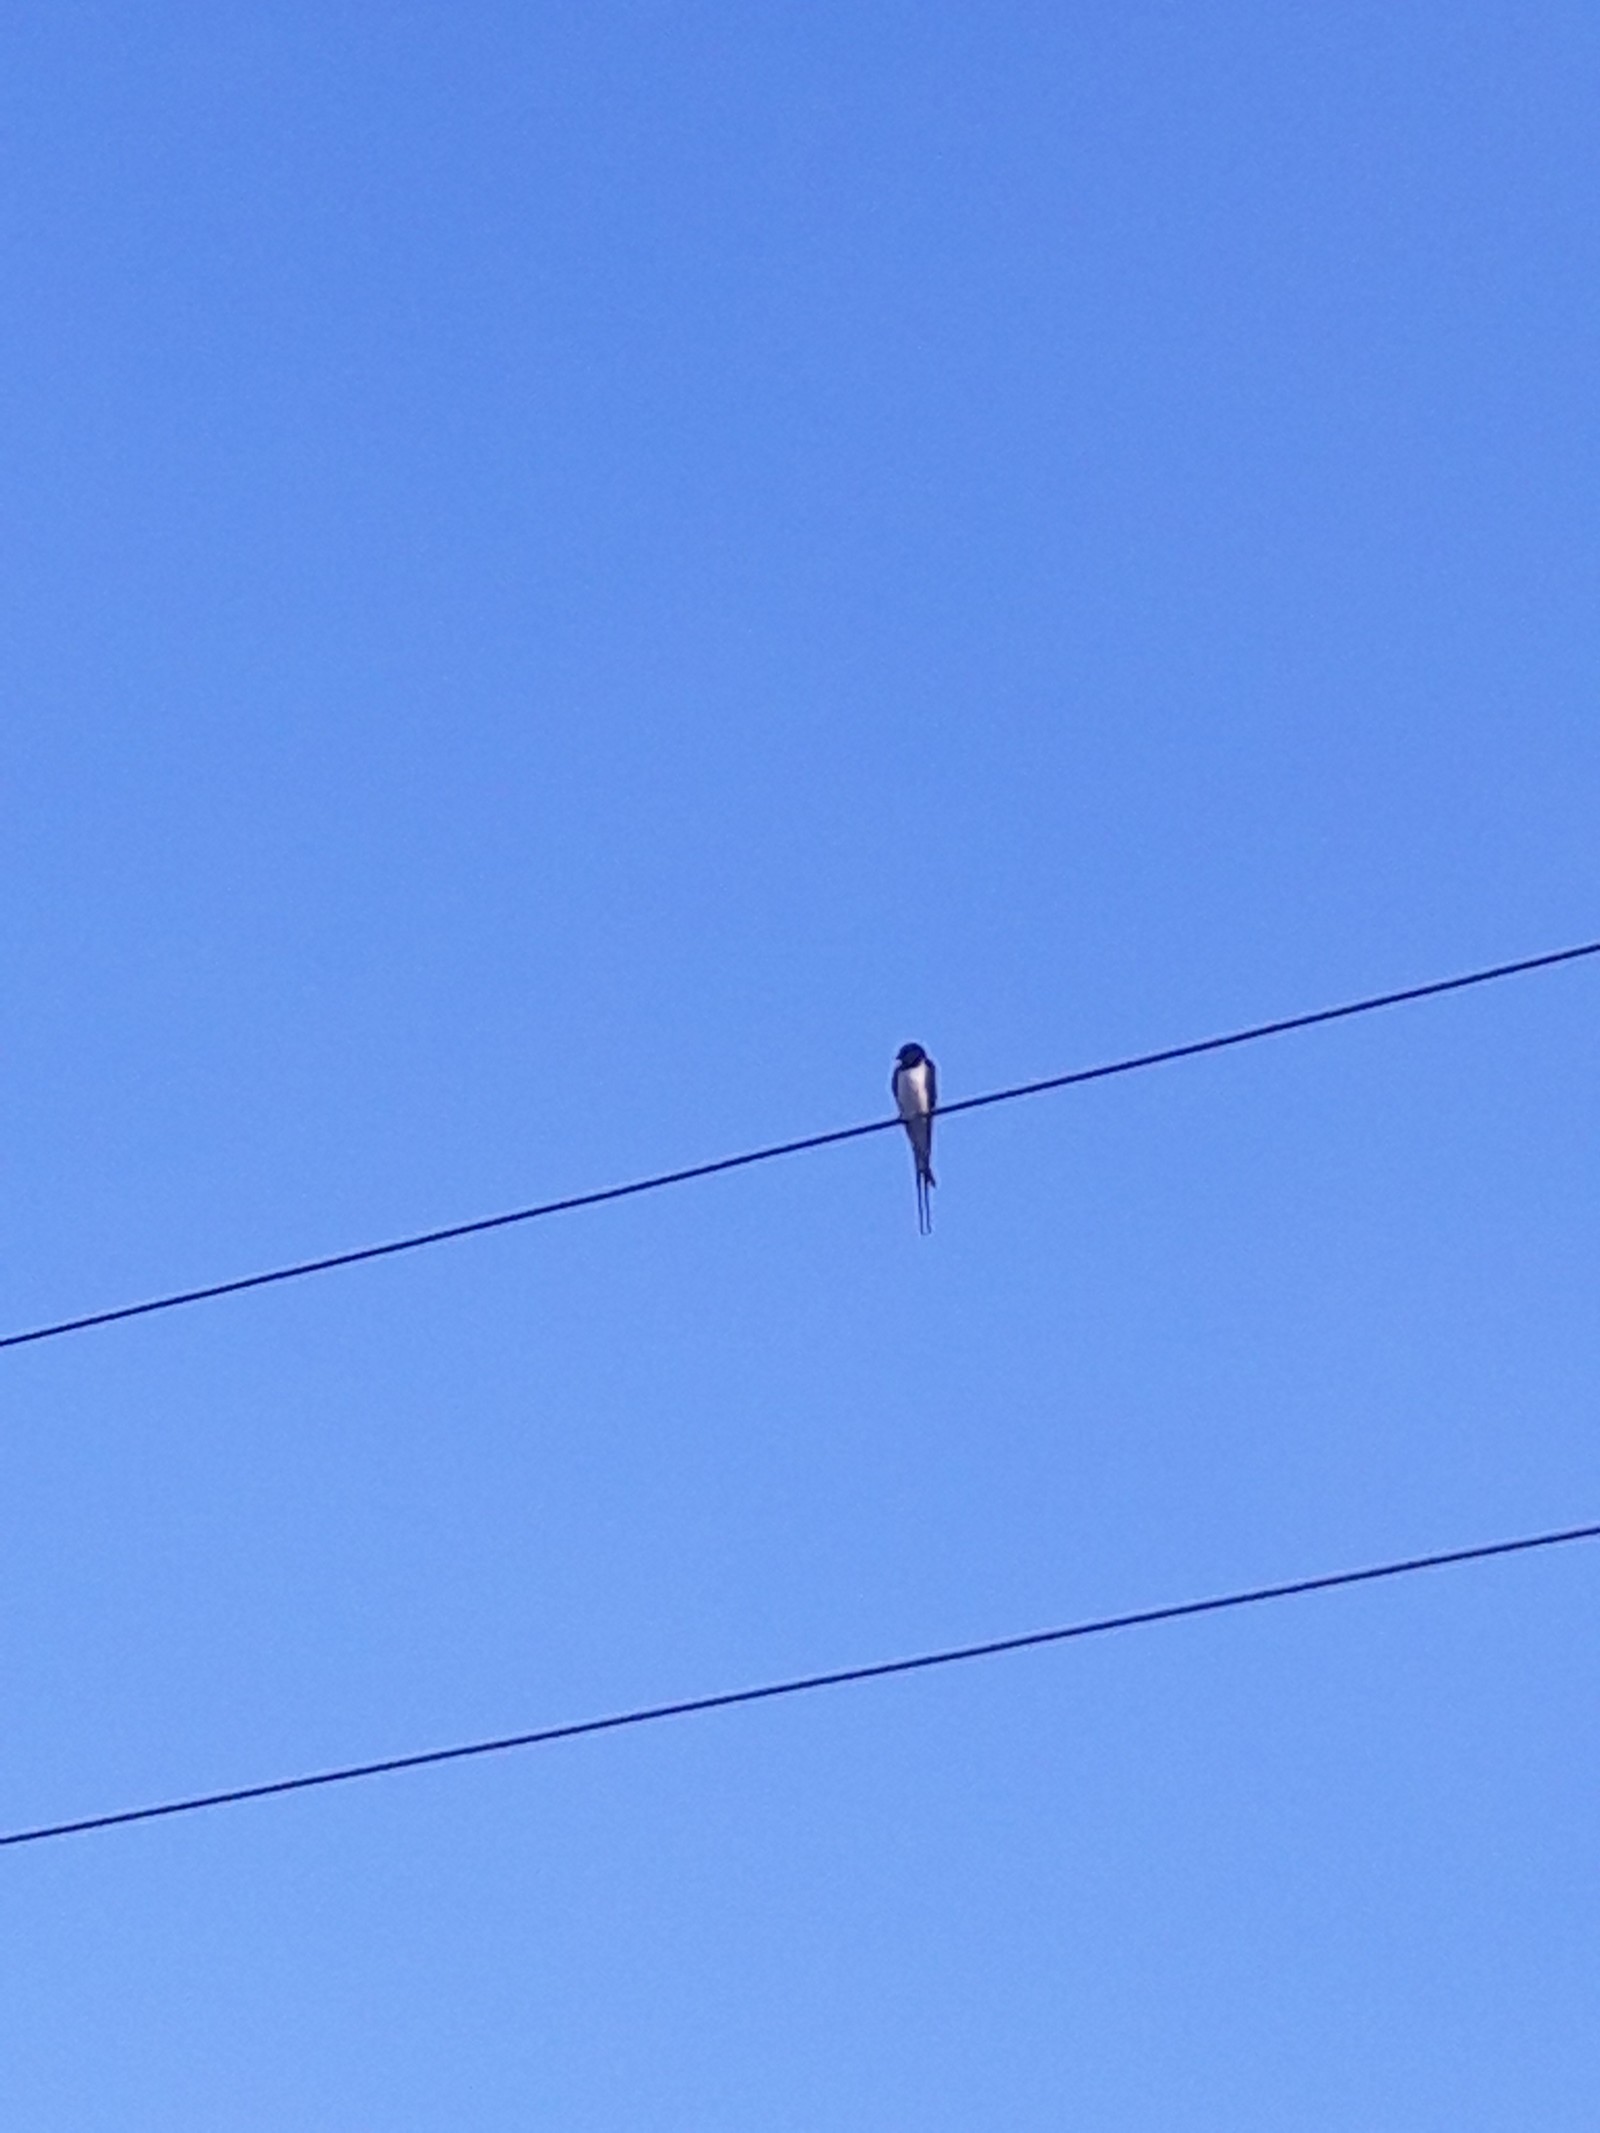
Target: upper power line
(803, 1684)
(1079, 1076)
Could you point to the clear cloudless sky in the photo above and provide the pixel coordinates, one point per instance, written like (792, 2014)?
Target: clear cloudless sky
(573, 575)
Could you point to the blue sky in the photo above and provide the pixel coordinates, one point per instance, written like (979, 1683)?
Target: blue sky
(572, 576)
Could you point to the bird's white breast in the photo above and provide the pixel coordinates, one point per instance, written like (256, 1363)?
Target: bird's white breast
(911, 1090)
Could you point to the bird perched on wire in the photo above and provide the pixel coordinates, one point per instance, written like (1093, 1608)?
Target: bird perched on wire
(915, 1087)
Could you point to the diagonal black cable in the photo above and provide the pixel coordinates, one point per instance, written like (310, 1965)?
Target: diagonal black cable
(801, 1685)
(662, 1179)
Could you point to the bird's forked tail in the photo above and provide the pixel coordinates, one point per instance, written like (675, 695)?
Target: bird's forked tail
(921, 1134)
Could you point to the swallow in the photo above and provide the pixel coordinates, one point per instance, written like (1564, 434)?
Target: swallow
(915, 1087)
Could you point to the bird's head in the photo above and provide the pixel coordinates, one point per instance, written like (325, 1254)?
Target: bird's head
(911, 1055)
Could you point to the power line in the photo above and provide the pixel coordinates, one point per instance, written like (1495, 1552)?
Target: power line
(1077, 1079)
(801, 1685)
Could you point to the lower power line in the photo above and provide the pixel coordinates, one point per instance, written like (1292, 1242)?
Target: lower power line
(804, 1684)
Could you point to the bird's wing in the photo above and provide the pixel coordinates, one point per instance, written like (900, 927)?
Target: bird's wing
(933, 1086)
